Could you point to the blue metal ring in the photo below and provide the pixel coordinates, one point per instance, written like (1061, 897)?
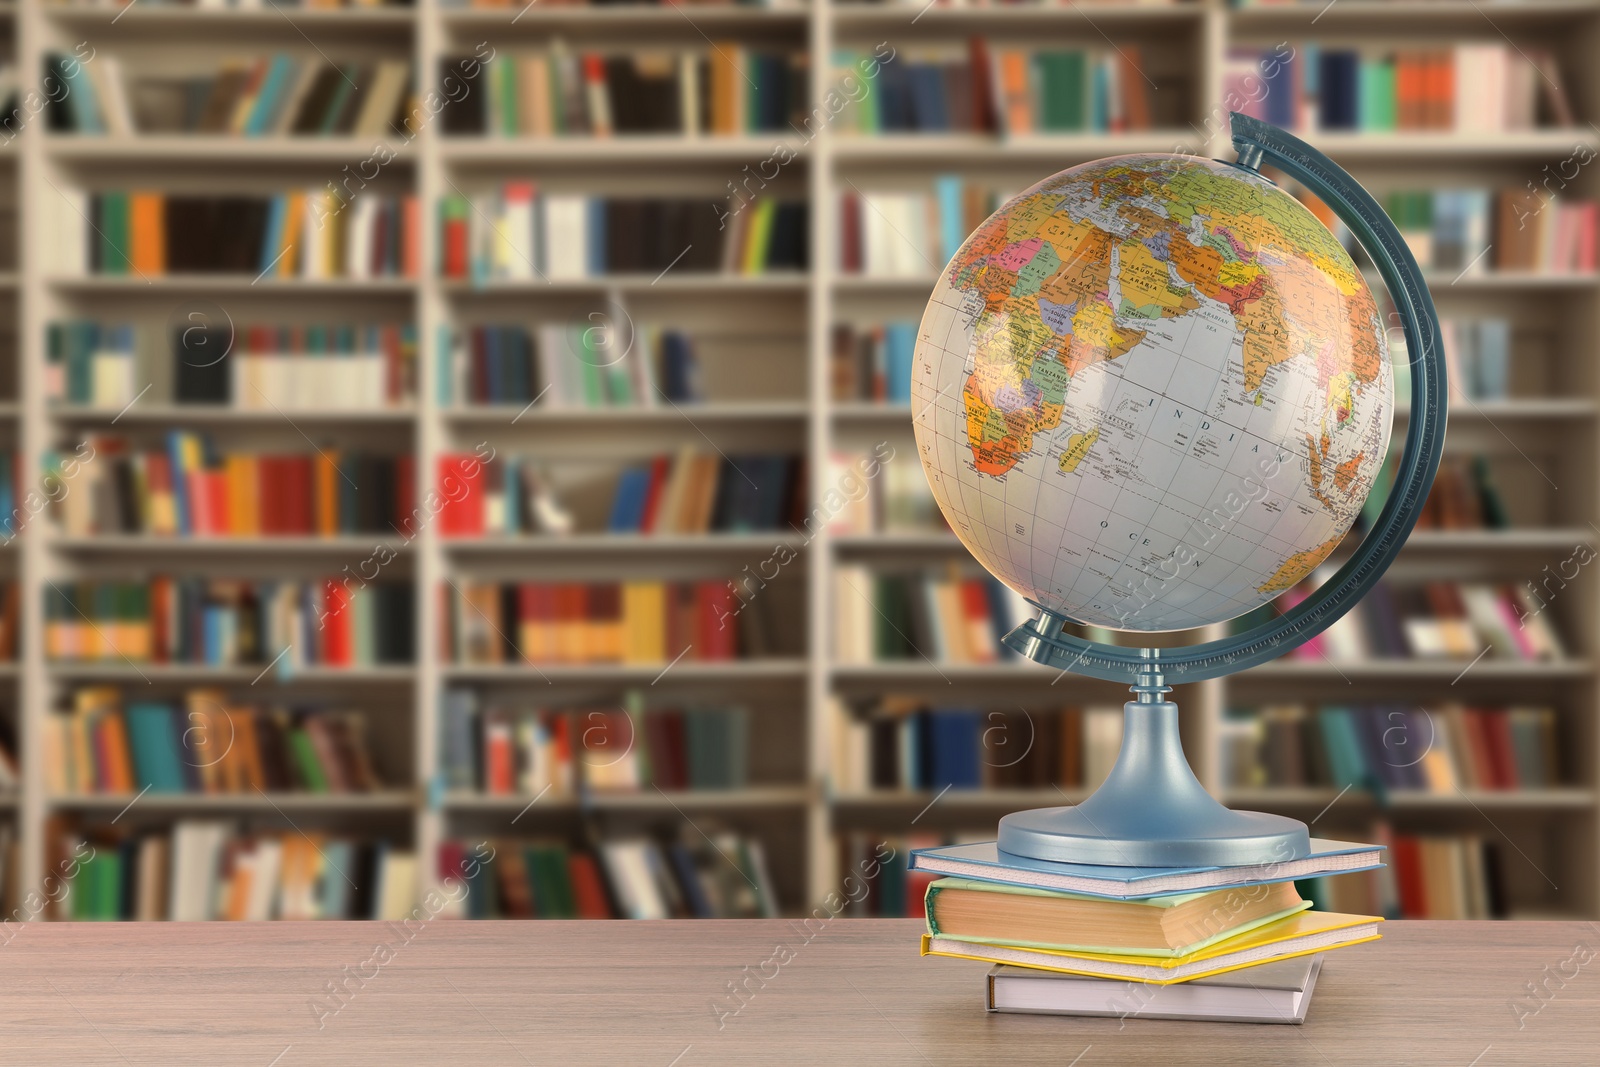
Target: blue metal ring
(1258, 142)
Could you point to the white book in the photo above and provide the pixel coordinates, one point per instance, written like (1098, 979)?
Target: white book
(628, 870)
(397, 885)
(264, 878)
(358, 238)
(1277, 992)
(515, 250)
(566, 236)
(315, 233)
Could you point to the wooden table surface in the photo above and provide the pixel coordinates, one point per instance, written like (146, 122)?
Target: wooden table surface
(656, 995)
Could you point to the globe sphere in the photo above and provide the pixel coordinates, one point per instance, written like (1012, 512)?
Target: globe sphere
(1152, 392)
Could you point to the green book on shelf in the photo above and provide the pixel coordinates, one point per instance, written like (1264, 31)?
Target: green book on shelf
(305, 760)
(1378, 112)
(503, 73)
(552, 886)
(1062, 90)
(114, 233)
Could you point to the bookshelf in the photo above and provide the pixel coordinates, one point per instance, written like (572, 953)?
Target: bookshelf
(771, 339)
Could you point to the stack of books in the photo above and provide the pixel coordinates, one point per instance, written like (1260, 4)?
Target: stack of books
(1222, 943)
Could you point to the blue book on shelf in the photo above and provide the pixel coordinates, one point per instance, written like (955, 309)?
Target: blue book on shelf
(899, 345)
(927, 97)
(180, 480)
(1492, 372)
(954, 743)
(985, 862)
(155, 748)
(1279, 98)
(1345, 759)
(627, 506)
(279, 77)
(339, 857)
(272, 240)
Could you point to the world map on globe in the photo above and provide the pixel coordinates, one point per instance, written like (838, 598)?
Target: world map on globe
(1152, 392)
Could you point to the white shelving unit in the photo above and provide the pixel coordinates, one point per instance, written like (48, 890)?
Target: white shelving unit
(795, 808)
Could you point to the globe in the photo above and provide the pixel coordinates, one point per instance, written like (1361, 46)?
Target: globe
(1152, 392)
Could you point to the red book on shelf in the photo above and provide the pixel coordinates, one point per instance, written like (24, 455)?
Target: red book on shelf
(1481, 741)
(850, 233)
(454, 242)
(216, 499)
(983, 120)
(1497, 729)
(1408, 873)
(268, 486)
(411, 237)
(717, 620)
(975, 612)
(160, 613)
(405, 494)
(452, 860)
(660, 466)
(297, 491)
(587, 889)
(499, 763)
(336, 630)
(569, 602)
(461, 488)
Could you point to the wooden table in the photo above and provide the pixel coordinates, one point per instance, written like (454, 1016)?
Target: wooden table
(853, 993)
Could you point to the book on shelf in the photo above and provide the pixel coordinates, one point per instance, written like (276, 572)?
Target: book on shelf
(897, 234)
(1477, 359)
(10, 774)
(187, 486)
(718, 875)
(283, 624)
(281, 367)
(568, 366)
(901, 743)
(247, 5)
(630, 622)
(872, 362)
(940, 618)
(695, 492)
(520, 233)
(207, 743)
(10, 621)
(877, 879)
(311, 234)
(1482, 231)
(982, 87)
(1381, 748)
(898, 502)
(1471, 87)
(1430, 876)
(278, 95)
(1433, 621)
(724, 88)
(502, 749)
(208, 869)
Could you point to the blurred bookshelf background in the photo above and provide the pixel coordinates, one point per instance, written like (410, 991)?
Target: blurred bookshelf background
(472, 442)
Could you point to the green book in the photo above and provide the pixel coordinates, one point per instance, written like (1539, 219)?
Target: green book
(114, 233)
(304, 754)
(1063, 96)
(1377, 110)
(503, 73)
(582, 342)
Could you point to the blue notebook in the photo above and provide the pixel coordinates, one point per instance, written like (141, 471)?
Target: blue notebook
(985, 862)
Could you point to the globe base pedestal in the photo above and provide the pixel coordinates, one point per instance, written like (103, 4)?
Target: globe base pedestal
(1152, 812)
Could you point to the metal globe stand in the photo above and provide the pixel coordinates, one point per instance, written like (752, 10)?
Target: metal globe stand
(1152, 811)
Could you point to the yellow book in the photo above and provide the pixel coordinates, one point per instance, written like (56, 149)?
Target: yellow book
(294, 217)
(82, 777)
(758, 238)
(1298, 935)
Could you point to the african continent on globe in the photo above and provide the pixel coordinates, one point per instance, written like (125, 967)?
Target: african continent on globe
(1152, 392)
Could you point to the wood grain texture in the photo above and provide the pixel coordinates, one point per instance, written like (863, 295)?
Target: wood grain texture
(643, 993)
